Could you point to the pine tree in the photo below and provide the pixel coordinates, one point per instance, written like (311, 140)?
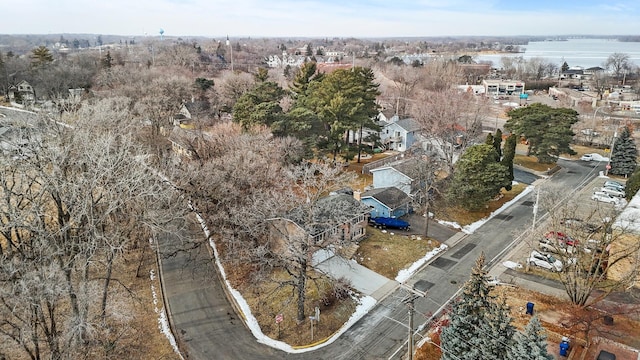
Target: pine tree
(530, 344)
(489, 140)
(624, 154)
(463, 337)
(497, 143)
(507, 159)
(498, 331)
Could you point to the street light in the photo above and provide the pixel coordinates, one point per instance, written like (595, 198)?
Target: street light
(613, 142)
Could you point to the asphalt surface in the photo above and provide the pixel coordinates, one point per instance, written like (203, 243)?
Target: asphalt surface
(208, 328)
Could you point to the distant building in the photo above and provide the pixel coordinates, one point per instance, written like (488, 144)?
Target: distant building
(503, 87)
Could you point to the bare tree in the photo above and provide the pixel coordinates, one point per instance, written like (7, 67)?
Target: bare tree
(450, 120)
(594, 248)
(619, 63)
(72, 206)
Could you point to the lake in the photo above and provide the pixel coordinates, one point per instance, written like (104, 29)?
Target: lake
(576, 52)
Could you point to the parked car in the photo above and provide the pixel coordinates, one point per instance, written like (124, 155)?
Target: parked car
(545, 261)
(612, 191)
(560, 237)
(580, 225)
(614, 184)
(586, 157)
(391, 223)
(605, 198)
(554, 246)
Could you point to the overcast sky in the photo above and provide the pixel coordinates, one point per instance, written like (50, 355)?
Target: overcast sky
(315, 18)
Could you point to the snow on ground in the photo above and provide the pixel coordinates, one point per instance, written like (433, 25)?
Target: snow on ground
(405, 274)
(511, 265)
(163, 323)
(366, 303)
(471, 228)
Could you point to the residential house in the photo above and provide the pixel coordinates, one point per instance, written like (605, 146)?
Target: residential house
(183, 142)
(334, 220)
(403, 174)
(400, 135)
(387, 202)
(190, 112)
(22, 93)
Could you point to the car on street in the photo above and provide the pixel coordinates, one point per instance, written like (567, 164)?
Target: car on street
(605, 198)
(586, 157)
(544, 261)
(612, 191)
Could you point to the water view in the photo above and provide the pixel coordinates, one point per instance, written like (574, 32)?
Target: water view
(576, 52)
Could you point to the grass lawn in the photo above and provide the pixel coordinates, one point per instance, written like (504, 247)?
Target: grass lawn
(387, 254)
(531, 162)
(266, 300)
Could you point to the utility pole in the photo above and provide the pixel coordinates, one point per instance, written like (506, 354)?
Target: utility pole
(414, 294)
(231, 50)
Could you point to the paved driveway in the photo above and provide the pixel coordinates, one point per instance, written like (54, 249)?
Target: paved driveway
(362, 279)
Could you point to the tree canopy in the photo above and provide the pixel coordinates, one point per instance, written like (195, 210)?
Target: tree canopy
(624, 154)
(477, 177)
(547, 130)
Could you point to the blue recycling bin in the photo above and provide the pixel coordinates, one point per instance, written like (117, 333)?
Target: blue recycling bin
(530, 308)
(564, 348)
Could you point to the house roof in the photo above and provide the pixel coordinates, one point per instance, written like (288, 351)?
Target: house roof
(392, 197)
(408, 167)
(409, 124)
(327, 213)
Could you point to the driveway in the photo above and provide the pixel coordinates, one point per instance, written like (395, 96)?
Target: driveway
(362, 279)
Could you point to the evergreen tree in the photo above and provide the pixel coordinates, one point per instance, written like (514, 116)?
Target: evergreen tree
(507, 160)
(498, 331)
(463, 338)
(633, 184)
(564, 67)
(260, 105)
(41, 56)
(530, 344)
(489, 140)
(547, 129)
(107, 60)
(477, 177)
(497, 143)
(624, 154)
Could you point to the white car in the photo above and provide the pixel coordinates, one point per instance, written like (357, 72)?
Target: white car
(605, 198)
(614, 184)
(545, 261)
(554, 246)
(613, 191)
(586, 157)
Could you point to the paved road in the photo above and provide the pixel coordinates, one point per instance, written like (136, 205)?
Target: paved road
(200, 310)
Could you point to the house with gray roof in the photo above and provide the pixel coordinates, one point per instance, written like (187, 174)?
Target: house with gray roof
(387, 202)
(403, 174)
(400, 135)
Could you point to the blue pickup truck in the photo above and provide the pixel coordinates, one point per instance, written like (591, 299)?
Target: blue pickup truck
(387, 222)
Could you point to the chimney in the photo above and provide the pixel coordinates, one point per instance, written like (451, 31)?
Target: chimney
(356, 194)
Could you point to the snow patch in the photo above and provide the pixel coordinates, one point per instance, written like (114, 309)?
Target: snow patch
(511, 265)
(365, 304)
(405, 274)
(163, 323)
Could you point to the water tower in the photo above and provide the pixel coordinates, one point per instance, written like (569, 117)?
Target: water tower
(161, 34)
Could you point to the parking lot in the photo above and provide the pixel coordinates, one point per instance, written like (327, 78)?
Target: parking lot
(587, 209)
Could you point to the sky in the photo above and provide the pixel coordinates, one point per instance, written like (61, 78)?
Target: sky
(327, 18)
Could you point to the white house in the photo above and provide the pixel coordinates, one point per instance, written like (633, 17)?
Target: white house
(399, 135)
(402, 174)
